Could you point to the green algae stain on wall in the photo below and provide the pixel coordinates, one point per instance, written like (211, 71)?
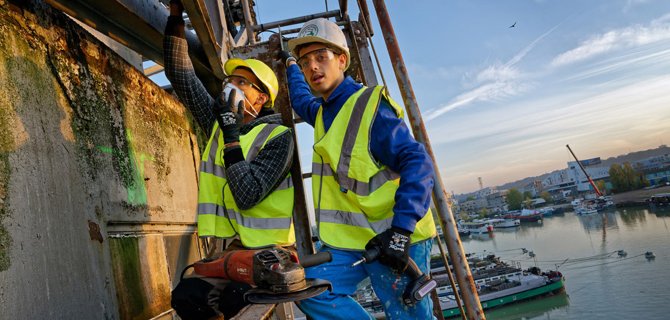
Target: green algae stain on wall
(99, 101)
(11, 135)
(6, 145)
(126, 262)
(5, 238)
(134, 174)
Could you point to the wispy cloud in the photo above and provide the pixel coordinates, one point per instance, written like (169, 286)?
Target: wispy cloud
(638, 35)
(631, 3)
(496, 81)
(630, 63)
(490, 143)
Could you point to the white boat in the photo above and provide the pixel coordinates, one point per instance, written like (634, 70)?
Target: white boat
(584, 210)
(526, 215)
(504, 223)
(477, 227)
(546, 211)
(576, 202)
(592, 206)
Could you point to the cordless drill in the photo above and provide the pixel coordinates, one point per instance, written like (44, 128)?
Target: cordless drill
(417, 289)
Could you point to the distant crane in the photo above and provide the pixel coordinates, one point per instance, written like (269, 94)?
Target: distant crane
(584, 170)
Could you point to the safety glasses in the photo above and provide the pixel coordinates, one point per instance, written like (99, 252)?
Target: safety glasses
(242, 83)
(320, 56)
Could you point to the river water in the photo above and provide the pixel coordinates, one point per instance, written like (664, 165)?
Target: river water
(599, 284)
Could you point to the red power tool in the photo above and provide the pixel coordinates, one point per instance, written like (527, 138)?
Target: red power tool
(276, 274)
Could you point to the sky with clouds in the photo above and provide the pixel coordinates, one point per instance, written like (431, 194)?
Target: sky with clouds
(501, 103)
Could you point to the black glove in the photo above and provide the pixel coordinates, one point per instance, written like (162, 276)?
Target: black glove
(393, 247)
(229, 121)
(175, 23)
(176, 8)
(285, 57)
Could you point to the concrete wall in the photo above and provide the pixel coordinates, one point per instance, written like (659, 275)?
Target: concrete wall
(98, 177)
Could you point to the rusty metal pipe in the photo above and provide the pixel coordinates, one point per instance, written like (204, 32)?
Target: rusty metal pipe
(364, 15)
(344, 7)
(289, 22)
(296, 30)
(452, 282)
(248, 24)
(453, 241)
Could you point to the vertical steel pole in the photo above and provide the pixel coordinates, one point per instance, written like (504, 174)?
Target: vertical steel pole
(454, 246)
(248, 24)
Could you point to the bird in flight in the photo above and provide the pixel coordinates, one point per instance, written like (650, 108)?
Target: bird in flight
(513, 25)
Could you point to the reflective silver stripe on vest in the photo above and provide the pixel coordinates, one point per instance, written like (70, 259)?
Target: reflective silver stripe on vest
(210, 165)
(358, 187)
(259, 141)
(361, 188)
(246, 221)
(350, 138)
(355, 219)
(256, 148)
(285, 184)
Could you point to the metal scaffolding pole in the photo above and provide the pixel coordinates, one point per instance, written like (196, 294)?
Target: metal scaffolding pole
(289, 22)
(454, 246)
(248, 22)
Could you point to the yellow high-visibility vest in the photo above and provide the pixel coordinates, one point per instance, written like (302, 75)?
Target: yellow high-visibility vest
(353, 194)
(269, 222)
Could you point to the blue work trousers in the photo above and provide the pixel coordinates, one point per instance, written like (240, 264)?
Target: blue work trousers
(389, 287)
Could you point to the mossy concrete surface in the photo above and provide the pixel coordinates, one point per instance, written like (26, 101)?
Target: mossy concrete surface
(87, 140)
(139, 264)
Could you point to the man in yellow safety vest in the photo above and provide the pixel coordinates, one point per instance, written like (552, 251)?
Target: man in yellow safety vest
(244, 187)
(371, 180)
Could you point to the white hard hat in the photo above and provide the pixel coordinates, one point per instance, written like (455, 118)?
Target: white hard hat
(322, 31)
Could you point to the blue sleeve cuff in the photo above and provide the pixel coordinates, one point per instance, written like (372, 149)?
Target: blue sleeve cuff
(404, 222)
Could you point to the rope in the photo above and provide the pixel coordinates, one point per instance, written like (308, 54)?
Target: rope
(604, 263)
(569, 262)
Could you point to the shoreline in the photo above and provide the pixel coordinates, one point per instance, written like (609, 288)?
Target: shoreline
(636, 197)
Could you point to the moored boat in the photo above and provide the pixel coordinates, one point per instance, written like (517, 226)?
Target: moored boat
(498, 283)
(591, 206)
(526, 215)
(659, 200)
(463, 232)
(509, 290)
(475, 227)
(546, 211)
(504, 223)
